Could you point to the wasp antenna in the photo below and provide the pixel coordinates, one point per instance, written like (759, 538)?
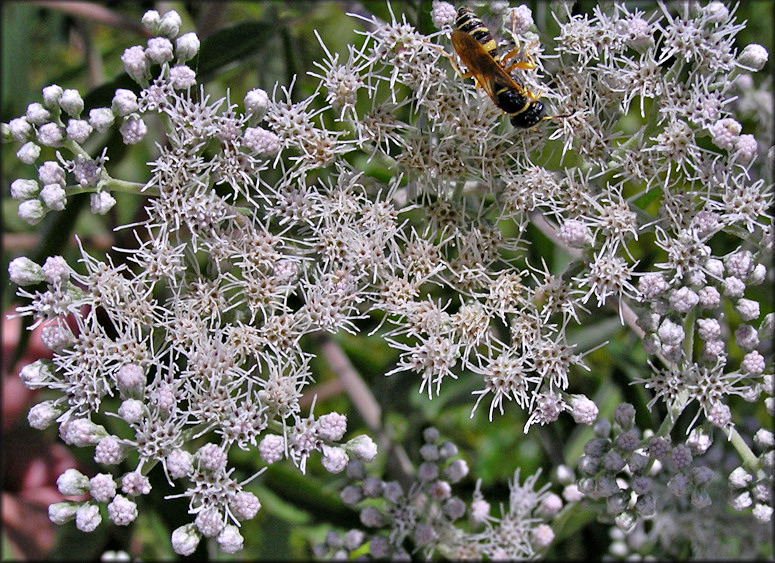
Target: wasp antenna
(558, 116)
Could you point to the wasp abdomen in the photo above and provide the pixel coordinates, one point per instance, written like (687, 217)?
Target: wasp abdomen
(468, 22)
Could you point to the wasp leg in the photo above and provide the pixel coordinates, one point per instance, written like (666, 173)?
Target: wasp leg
(451, 58)
(529, 62)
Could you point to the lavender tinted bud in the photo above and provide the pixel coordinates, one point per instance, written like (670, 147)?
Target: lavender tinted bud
(32, 211)
(124, 102)
(51, 96)
(424, 534)
(757, 275)
(429, 452)
(596, 447)
(230, 540)
(624, 416)
(101, 202)
(431, 435)
(170, 23)
(209, 521)
(659, 447)
(753, 56)
(331, 427)
(372, 518)
(71, 102)
(443, 14)
(588, 465)
(628, 441)
(602, 428)
(739, 478)
(151, 20)
(679, 484)
(182, 77)
(641, 484)
(262, 141)
(353, 539)
(109, 451)
(131, 411)
(683, 300)
(741, 501)
(393, 492)
(700, 498)
(362, 447)
(256, 103)
(130, 380)
(61, 512)
(583, 409)
(72, 482)
(379, 548)
(613, 461)
(28, 153)
(710, 298)
(159, 50)
(81, 432)
(53, 196)
(447, 450)
(617, 503)
(372, 487)
(23, 272)
(670, 333)
(20, 129)
(456, 470)
(708, 329)
(102, 487)
(701, 475)
(637, 462)
(681, 457)
(42, 415)
(135, 484)
(428, 472)
(646, 506)
(355, 469)
(122, 511)
(185, 539)
(50, 135)
(762, 512)
(440, 490)
(764, 438)
(551, 504)
(37, 114)
(352, 494)
(699, 441)
(334, 459)
(101, 119)
(133, 130)
(454, 508)
(186, 46)
(135, 63)
(79, 130)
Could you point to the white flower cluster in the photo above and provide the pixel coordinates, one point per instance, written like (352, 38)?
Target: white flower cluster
(260, 230)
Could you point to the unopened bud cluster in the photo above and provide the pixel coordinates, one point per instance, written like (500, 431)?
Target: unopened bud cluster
(426, 515)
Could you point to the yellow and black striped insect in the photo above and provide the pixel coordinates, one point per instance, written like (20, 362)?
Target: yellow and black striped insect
(478, 51)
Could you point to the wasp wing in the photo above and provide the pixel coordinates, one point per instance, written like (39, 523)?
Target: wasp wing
(488, 73)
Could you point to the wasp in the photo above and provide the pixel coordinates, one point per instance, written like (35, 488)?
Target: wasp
(479, 52)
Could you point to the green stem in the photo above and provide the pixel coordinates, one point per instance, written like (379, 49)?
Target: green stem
(750, 460)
